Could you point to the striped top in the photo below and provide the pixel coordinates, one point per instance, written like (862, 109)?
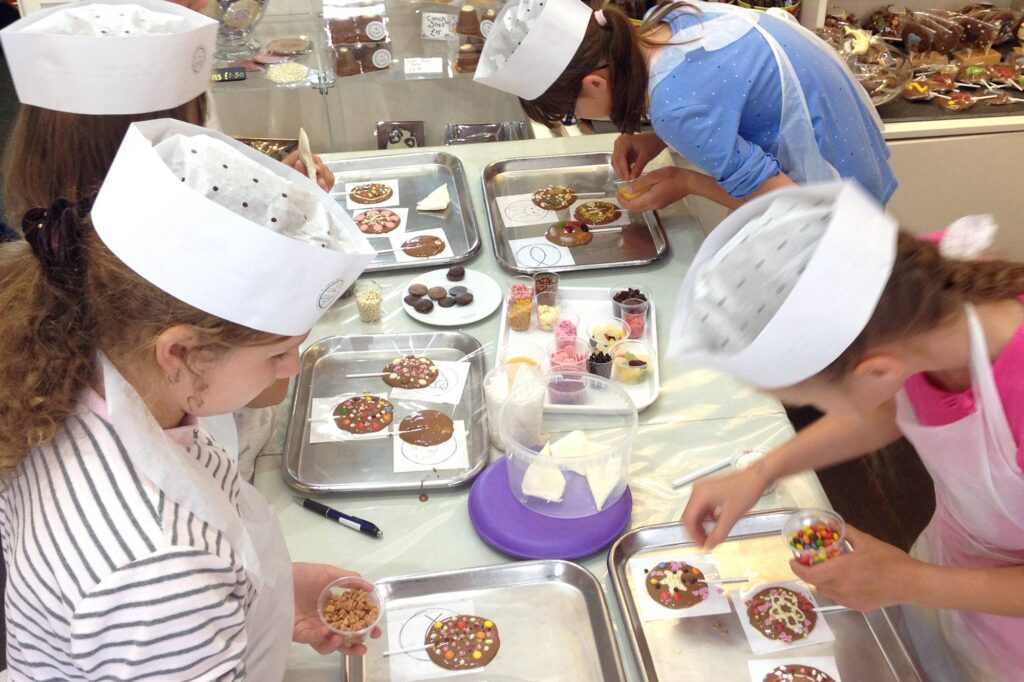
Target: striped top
(107, 579)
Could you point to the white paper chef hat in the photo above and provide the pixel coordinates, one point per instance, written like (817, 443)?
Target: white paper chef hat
(530, 44)
(114, 57)
(226, 229)
(785, 284)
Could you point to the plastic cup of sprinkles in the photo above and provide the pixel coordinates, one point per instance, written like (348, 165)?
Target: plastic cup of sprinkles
(351, 607)
(568, 328)
(548, 307)
(814, 535)
(368, 300)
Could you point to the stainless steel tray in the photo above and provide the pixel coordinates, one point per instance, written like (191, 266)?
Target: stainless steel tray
(552, 620)
(644, 241)
(866, 646)
(368, 466)
(418, 175)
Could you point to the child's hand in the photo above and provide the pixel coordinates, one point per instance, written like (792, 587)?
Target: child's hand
(310, 580)
(656, 189)
(324, 175)
(873, 576)
(724, 498)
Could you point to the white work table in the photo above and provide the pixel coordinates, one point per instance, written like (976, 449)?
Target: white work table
(700, 417)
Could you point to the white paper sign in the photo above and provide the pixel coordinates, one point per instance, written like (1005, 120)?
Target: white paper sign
(760, 644)
(623, 218)
(451, 454)
(538, 252)
(760, 668)
(423, 66)
(437, 25)
(407, 628)
(403, 217)
(519, 210)
(716, 602)
(399, 239)
(447, 387)
(356, 205)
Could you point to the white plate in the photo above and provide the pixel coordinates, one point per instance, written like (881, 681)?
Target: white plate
(487, 296)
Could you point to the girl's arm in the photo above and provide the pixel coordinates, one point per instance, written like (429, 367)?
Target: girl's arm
(665, 186)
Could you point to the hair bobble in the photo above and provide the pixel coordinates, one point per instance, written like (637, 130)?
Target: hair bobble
(55, 235)
(601, 19)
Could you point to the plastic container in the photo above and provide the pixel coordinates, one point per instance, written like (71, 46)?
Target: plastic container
(348, 584)
(520, 314)
(624, 189)
(567, 388)
(548, 306)
(569, 356)
(498, 383)
(523, 352)
(545, 281)
(631, 362)
(568, 328)
(605, 332)
(814, 535)
(564, 462)
(634, 314)
(602, 368)
(369, 297)
(644, 295)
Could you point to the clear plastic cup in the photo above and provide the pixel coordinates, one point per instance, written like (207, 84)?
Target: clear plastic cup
(520, 288)
(545, 282)
(369, 297)
(640, 292)
(814, 535)
(605, 332)
(349, 584)
(570, 357)
(548, 306)
(523, 352)
(567, 388)
(631, 362)
(565, 462)
(498, 383)
(624, 189)
(634, 314)
(568, 328)
(520, 314)
(602, 368)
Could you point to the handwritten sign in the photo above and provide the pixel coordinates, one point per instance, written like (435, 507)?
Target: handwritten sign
(423, 66)
(437, 25)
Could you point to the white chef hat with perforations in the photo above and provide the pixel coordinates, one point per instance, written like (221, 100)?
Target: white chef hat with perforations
(530, 44)
(113, 57)
(226, 229)
(785, 284)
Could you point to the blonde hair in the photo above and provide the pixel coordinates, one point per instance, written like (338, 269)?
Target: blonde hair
(64, 297)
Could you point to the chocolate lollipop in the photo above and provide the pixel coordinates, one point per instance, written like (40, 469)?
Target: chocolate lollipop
(956, 101)
(917, 91)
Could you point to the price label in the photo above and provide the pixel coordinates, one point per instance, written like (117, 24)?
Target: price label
(423, 66)
(231, 73)
(437, 25)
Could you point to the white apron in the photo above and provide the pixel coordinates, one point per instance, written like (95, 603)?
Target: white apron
(978, 523)
(254, 533)
(721, 25)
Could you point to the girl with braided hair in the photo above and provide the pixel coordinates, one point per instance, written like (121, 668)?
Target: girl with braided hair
(813, 295)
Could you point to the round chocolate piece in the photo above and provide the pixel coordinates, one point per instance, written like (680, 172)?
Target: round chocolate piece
(424, 305)
(423, 246)
(781, 614)
(446, 302)
(437, 293)
(554, 198)
(377, 221)
(464, 299)
(411, 371)
(364, 414)
(418, 289)
(676, 584)
(456, 273)
(569, 233)
(412, 299)
(462, 642)
(455, 291)
(371, 193)
(426, 428)
(794, 672)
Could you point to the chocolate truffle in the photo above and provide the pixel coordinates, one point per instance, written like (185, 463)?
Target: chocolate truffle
(456, 273)
(455, 291)
(464, 299)
(412, 299)
(418, 289)
(437, 293)
(424, 305)
(446, 302)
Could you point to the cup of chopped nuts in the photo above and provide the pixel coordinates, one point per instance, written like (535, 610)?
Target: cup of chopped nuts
(351, 607)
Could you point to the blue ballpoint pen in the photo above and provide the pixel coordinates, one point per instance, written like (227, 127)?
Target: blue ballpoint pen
(344, 519)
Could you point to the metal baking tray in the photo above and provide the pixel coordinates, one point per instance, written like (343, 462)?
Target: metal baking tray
(552, 620)
(590, 175)
(866, 646)
(418, 175)
(368, 466)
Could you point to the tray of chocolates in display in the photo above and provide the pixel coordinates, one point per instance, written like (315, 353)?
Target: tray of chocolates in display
(611, 333)
(677, 598)
(359, 34)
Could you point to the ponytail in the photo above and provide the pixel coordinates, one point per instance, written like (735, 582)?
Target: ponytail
(924, 291)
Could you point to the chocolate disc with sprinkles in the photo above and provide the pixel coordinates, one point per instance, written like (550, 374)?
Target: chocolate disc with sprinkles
(410, 372)
(797, 673)
(462, 642)
(377, 221)
(781, 614)
(371, 193)
(597, 213)
(676, 584)
(364, 414)
(554, 198)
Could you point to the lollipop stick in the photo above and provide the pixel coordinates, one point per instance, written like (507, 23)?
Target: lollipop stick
(727, 581)
(600, 230)
(700, 473)
(831, 609)
(368, 375)
(409, 650)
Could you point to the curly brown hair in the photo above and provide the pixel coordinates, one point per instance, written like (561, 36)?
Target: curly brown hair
(65, 296)
(924, 291)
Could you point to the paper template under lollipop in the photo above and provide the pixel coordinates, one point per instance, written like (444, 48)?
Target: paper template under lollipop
(420, 245)
(519, 210)
(372, 193)
(677, 586)
(447, 386)
(538, 252)
(780, 616)
(438, 443)
(794, 669)
(408, 633)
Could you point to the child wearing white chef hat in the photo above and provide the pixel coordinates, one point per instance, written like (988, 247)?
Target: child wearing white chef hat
(754, 100)
(83, 72)
(133, 546)
(814, 295)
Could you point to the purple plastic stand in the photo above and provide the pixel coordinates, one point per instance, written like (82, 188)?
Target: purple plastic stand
(504, 523)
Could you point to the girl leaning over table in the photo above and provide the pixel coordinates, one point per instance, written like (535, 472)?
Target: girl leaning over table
(754, 100)
(133, 547)
(813, 294)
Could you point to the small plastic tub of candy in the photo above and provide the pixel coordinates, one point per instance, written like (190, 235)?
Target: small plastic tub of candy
(520, 288)
(520, 313)
(369, 296)
(351, 607)
(544, 282)
(548, 307)
(599, 363)
(605, 332)
(634, 314)
(569, 357)
(631, 362)
(624, 189)
(621, 294)
(525, 353)
(814, 535)
(567, 388)
(568, 328)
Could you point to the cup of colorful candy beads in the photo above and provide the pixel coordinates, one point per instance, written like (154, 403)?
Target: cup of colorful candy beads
(814, 535)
